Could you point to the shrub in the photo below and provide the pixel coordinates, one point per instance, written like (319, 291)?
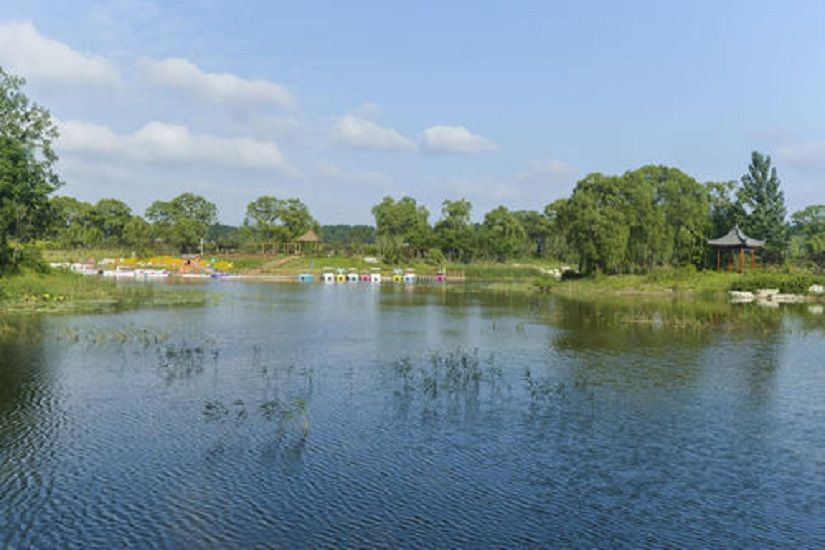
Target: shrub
(790, 283)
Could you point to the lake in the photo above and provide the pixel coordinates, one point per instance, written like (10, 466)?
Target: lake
(347, 415)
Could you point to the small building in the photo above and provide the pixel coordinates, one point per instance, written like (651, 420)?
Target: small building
(735, 244)
(308, 242)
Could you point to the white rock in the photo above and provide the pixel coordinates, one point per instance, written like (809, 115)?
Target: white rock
(788, 298)
(740, 297)
(767, 293)
(817, 289)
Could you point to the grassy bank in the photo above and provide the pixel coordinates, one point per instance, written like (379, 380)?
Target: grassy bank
(683, 281)
(58, 290)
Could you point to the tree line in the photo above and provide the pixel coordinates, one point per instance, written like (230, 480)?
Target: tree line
(643, 219)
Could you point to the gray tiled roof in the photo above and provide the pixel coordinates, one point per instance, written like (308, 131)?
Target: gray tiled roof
(735, 238)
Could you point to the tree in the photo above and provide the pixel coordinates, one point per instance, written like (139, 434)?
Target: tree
(184, 220)
(725, 210)
(502, 236)
(263, 220)
(111, 216)
(72, 223)
(270, 219)
(809, 228)
(764, 205)
(403, 222)
(454, 232)
(138, 234)
(27, 173)
(596, 224)
(296, 218)
(224, 237)
(677, 225)
(538, 229)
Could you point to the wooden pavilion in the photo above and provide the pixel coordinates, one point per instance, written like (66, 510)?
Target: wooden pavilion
(308, 241)
(735, 243)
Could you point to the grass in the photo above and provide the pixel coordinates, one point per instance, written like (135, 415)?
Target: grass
(58, 290)
(670, 281)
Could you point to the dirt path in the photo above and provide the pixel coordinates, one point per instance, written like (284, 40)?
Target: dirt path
(268, 267)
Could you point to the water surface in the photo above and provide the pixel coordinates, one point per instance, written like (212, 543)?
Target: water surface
(307, 415)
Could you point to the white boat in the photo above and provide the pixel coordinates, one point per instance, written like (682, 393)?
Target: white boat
(120, 272)
(151, 273)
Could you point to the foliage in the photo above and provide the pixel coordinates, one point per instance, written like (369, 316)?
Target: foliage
(183, 221)
(502, 236)
(402, 227)
(27, 174)
(787, 282)
(809, 227)
(649, 217)
(270, 219)
(454, 232)
(764, 205)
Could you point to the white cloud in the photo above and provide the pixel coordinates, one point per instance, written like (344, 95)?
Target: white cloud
(25, 51)
(455, 139)
(810, 154)
(361, 133)
(332, 172)
(547, 171)
(160, 142)
(222, 88)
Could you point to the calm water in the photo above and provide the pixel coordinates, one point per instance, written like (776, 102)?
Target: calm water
(292, 416)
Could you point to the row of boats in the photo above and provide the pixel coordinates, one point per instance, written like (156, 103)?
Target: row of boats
(342, 276)
(328, 276)
(139, 273)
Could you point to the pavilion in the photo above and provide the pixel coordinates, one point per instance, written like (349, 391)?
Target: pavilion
(309, 240)
(735, 243)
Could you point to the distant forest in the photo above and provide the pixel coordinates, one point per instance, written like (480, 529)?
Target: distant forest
(634, 222)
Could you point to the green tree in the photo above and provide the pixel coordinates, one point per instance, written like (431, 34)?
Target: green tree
(263, 220)
(677, 224)
(183, 221)
(111, 217)
(764, 205)
(809, 227)
(73, 223)
(454, 232)
(27, 169)
(538, 229)
(296, 218)
(403, 222)
(596, 223)
(725, 210)
(224, 237)
(271, 219)
(138, 234)
(555, 244)
(501, 235)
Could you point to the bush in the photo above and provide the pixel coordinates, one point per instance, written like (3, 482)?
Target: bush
(545, 284)
(789, 283)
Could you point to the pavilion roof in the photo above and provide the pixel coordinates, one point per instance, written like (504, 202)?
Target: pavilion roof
(309, 237)
(736, 239)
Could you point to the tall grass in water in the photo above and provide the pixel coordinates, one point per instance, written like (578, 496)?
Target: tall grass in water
(61, 290)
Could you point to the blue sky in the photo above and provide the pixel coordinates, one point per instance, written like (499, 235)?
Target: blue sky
(342, 103)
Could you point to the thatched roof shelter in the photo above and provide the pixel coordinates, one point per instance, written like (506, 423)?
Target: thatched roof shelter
(309, 237)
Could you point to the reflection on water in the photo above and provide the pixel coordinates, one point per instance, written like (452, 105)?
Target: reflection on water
(292, 415)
